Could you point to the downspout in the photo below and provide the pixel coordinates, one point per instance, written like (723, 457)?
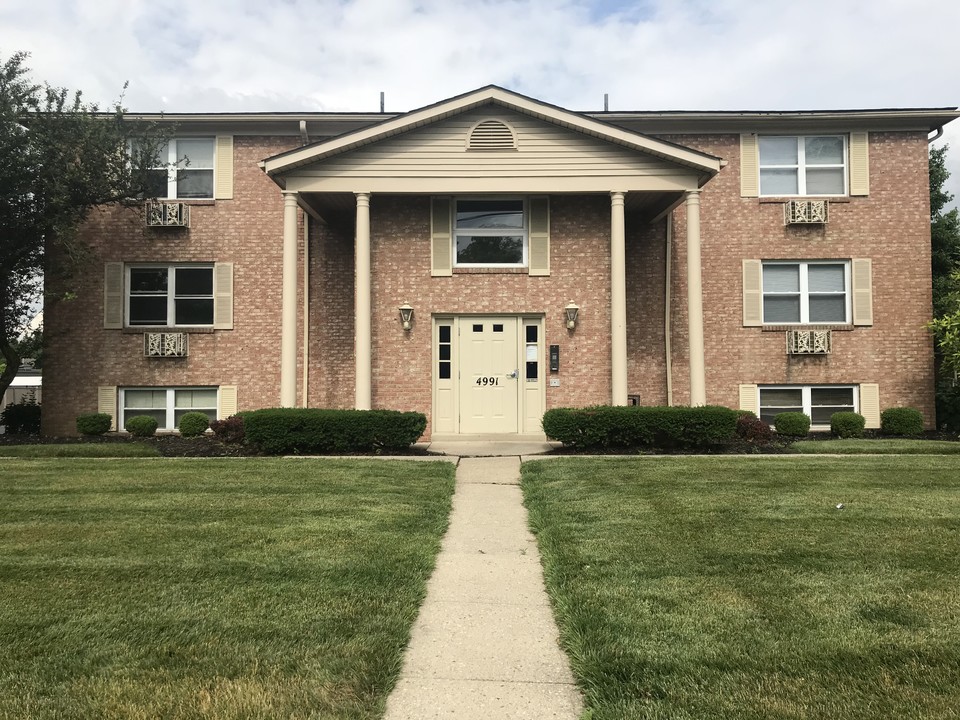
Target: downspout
(306, 309)
(937, 136)
(666, 310)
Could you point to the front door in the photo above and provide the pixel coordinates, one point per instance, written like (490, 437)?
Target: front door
(489, 374)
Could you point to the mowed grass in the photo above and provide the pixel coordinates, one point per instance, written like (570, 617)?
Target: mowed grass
(880, 446)
(254, 588)
(734, 588)
(79, 450)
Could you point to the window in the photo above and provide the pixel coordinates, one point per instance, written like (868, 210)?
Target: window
(184, 169)
(819, 403)
(175, 295)
(490, 232)
(167, 405)
(445, 350)
(806, 292)
(804, 165)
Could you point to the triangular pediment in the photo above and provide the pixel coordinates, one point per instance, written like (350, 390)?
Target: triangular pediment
(494, 133)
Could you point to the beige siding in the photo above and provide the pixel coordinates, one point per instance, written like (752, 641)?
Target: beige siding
(543, 150)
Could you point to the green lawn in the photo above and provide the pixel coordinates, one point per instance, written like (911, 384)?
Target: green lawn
(252, 588)
(734, 588)
(881, 446)
(79, 450)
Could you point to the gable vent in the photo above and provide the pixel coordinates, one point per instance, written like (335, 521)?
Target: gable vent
(492, 135)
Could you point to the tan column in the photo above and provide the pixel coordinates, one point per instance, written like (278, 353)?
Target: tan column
(363, 343)
(618, 301)
(288, 318)
(698, 381)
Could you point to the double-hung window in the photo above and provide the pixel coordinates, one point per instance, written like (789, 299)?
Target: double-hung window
(170, 295)
(818, 403)
(803, 165)
(809, 292)
(167, 405)
(490, 232)
(184, 169)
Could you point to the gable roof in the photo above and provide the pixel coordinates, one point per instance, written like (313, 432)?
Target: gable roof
(702, 163)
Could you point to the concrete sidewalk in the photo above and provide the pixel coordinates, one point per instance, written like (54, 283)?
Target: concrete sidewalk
(485, 642)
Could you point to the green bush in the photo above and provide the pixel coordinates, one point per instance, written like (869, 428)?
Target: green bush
(901, 421)
(141, 426)
(604, 426)
(193, 424)
(229, 430)
(94, 423)
(847, 424)
(314, 430)
(948, 406)
(792, 424)
(22, 418)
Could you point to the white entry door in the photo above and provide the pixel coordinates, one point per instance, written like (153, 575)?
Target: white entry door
(490, 374)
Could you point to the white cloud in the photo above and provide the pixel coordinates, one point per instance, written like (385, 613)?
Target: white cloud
(221, 55)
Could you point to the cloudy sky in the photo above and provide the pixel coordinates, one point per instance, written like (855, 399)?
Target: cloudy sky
(331, 55)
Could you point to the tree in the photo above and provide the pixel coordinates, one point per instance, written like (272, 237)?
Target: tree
(944, 237)
(60, 157)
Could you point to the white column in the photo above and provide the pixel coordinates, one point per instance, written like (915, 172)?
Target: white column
(363, 343)
(698, 381)
(618, 301)
(288, 321)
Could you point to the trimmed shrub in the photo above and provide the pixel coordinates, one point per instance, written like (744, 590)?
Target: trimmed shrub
(193, 424)
(22, 418)
(746, 414)
(792, 424)
(314, 430)
(901, 421)
(847, 424)
(229, 430)
(948, 406)
(94, 423)
(141, 426)
(753, 430)
(604, 426)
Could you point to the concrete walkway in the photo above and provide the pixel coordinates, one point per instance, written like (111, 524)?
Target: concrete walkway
(485, 642)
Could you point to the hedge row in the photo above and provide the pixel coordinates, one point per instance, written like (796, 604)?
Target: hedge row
(291, 431)
(641, 427)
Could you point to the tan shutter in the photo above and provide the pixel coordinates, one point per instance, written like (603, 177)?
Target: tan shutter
(750, 399)
(859, 164)
(752, 293)
(539, 256)
(223, 296)
(749, 166)
(870, 404)
(113, 295)
(223, 180)
(862, 272)
(107, 403)
(227, 405)
(441, 248)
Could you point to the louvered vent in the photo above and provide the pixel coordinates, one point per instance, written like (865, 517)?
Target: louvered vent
(492, 135)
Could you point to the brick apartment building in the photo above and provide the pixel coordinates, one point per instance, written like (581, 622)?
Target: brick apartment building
(491, 256)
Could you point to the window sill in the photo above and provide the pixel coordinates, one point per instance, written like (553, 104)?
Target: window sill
(780, 199)
(187, 201)
(812, 326)
(490, 271)
(166, 328)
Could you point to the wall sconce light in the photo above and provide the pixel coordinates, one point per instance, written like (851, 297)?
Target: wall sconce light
(570, 312)
(406, 315)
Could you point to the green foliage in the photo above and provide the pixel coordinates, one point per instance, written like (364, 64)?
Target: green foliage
(753, 430)
(946, 332)
(641, 427)
(229, 430)
(141, 426)
(901, 421)
(944, 237)
(847, 424)
(94, 423)
(60, 157)
(193, 424)
(313, 430)
(948, 405)
(792, 424)
(22, 418)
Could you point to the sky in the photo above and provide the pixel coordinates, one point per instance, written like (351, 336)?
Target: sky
(339, 55)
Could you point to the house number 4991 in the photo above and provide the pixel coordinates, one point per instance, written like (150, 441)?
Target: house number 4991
(488, 381)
